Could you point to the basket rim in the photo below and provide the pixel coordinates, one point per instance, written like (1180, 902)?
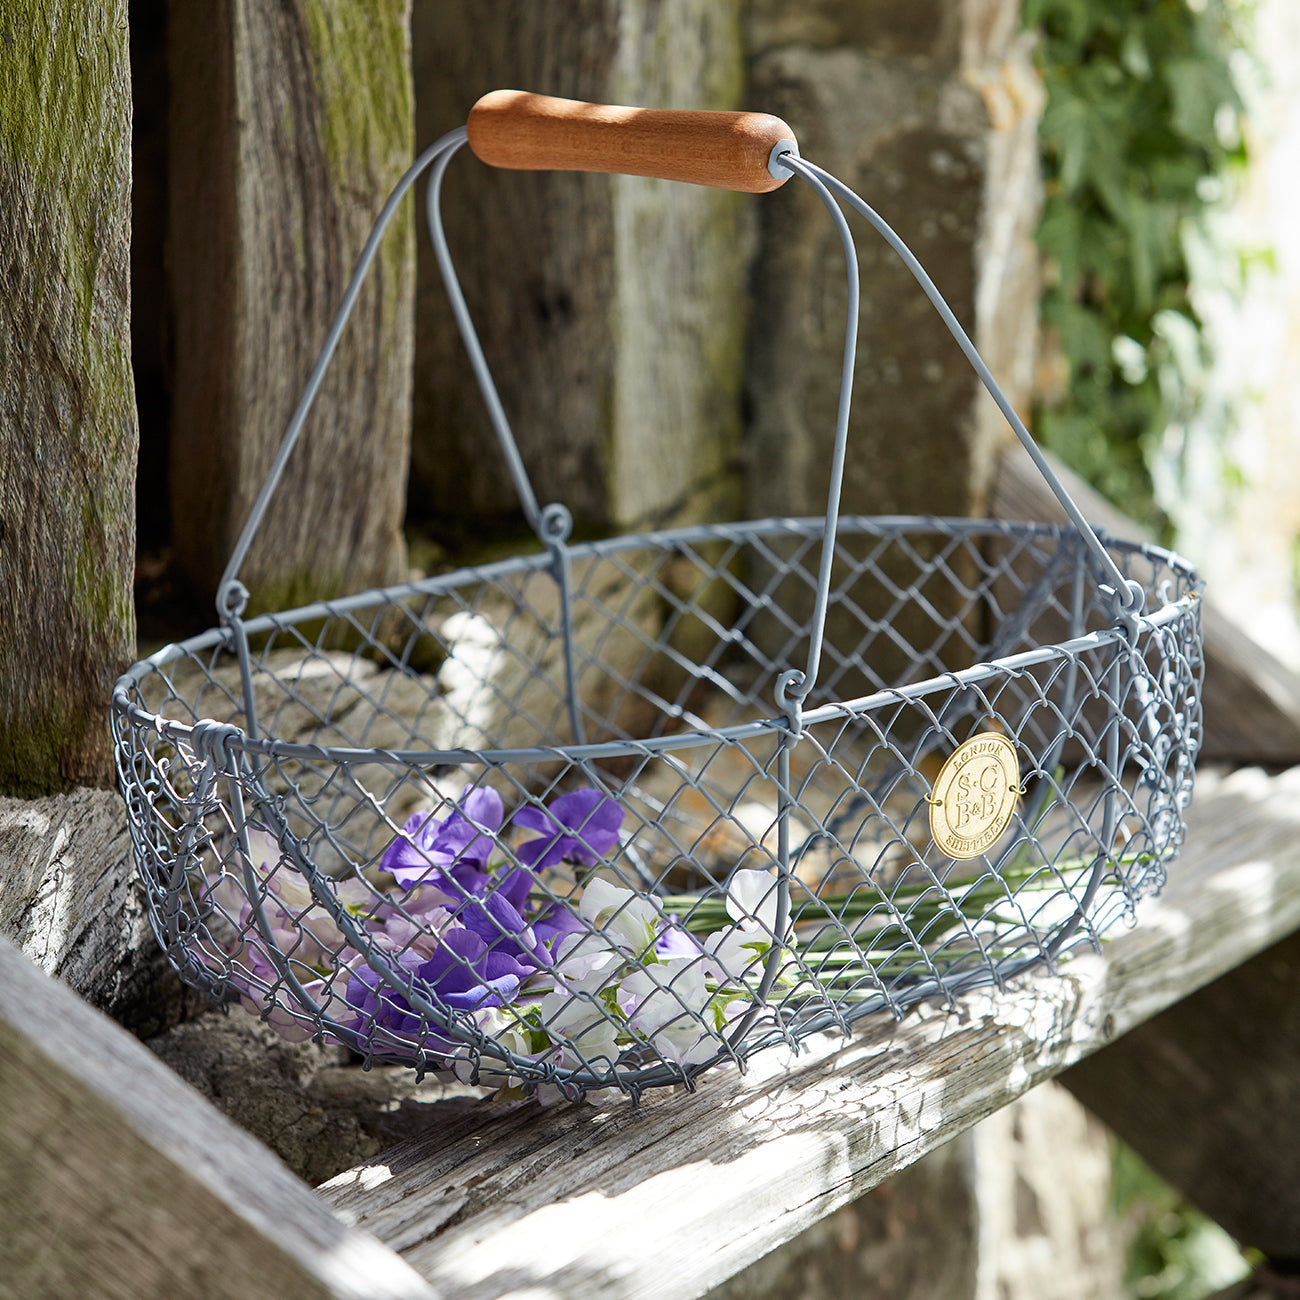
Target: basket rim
(735, 531)
(691, 736)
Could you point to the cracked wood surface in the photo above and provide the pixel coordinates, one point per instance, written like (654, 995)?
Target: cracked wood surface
(118, 1181)
(507, 1200)
(70, 901)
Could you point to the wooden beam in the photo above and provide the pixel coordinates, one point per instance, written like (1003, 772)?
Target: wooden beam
(675, 1195)
(289, 125)
(68, 433)
(1251, 700)
(1208, 1093)
(118, 1180)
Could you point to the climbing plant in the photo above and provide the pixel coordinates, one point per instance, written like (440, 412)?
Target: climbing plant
(1140, 128)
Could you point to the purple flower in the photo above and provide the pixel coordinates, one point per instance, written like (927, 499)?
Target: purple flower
(673, 941)
(500, 924)
(454, 848)
(464, 974)
(581, 827)
(554, 922)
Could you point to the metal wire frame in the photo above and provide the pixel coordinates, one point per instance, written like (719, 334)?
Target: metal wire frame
(1085, 652)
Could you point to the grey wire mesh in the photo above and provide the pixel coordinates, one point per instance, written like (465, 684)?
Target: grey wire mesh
(556, 821)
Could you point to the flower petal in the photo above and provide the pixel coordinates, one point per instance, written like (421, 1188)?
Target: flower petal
(752, 896)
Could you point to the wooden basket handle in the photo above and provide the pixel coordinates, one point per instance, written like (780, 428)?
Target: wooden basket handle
(516, 129)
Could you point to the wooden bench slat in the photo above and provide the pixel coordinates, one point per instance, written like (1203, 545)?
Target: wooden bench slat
(118, 1180)
(673, 1196)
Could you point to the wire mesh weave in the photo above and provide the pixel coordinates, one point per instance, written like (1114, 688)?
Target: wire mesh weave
(570, 820)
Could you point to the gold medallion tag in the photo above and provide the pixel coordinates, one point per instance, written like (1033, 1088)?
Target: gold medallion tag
(974, 795)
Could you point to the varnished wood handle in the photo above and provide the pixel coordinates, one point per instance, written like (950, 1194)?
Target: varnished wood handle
(512, 128)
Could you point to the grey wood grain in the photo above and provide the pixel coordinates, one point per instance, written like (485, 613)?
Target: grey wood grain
(69, 900)
(612, 310)
(670, 1197)
(68, 434)
(118, 1180)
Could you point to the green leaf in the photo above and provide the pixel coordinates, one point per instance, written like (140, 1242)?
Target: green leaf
(1198, 89)
(1131, 159)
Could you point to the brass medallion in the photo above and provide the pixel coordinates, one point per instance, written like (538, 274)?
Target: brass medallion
(974, 795)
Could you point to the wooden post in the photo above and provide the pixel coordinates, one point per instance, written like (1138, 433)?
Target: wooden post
(67, 409)
(611, 308)
(289, 124)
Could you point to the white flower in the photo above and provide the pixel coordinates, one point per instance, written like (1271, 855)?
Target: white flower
(668, 1004)
(751, 898)
(740, 951)
(736, 952)
(503, 1026)
(585, 961)
(629, 919)
(587, 1025)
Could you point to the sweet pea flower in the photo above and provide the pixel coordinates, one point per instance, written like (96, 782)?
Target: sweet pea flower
(629, 919)
(301, 933)
(462, 975)
(586, 1025)
(251, 974)
(581, 826)
(455, 847)
(740, 949)
(573, 985)
(503, 1026)
(751, 898)
(668, 1004)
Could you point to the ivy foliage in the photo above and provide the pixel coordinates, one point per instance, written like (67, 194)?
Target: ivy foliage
(1138, 131)
(1174, 1251)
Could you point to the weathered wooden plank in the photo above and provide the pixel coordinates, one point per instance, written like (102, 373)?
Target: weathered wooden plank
(1017, 1208)
(68, 432)
(289, 124)
(117, 1180)
(671, 1197)
(1251, 700)
(69, 900)
(1223, 1065)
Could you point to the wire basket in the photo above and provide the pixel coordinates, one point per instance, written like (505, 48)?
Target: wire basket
(575, 820)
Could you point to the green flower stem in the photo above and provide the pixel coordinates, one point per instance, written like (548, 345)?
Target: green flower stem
(705, 914)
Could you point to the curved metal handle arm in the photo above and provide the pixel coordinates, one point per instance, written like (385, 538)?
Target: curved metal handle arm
(231, 594)
(1130, 594)
(794, 687)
